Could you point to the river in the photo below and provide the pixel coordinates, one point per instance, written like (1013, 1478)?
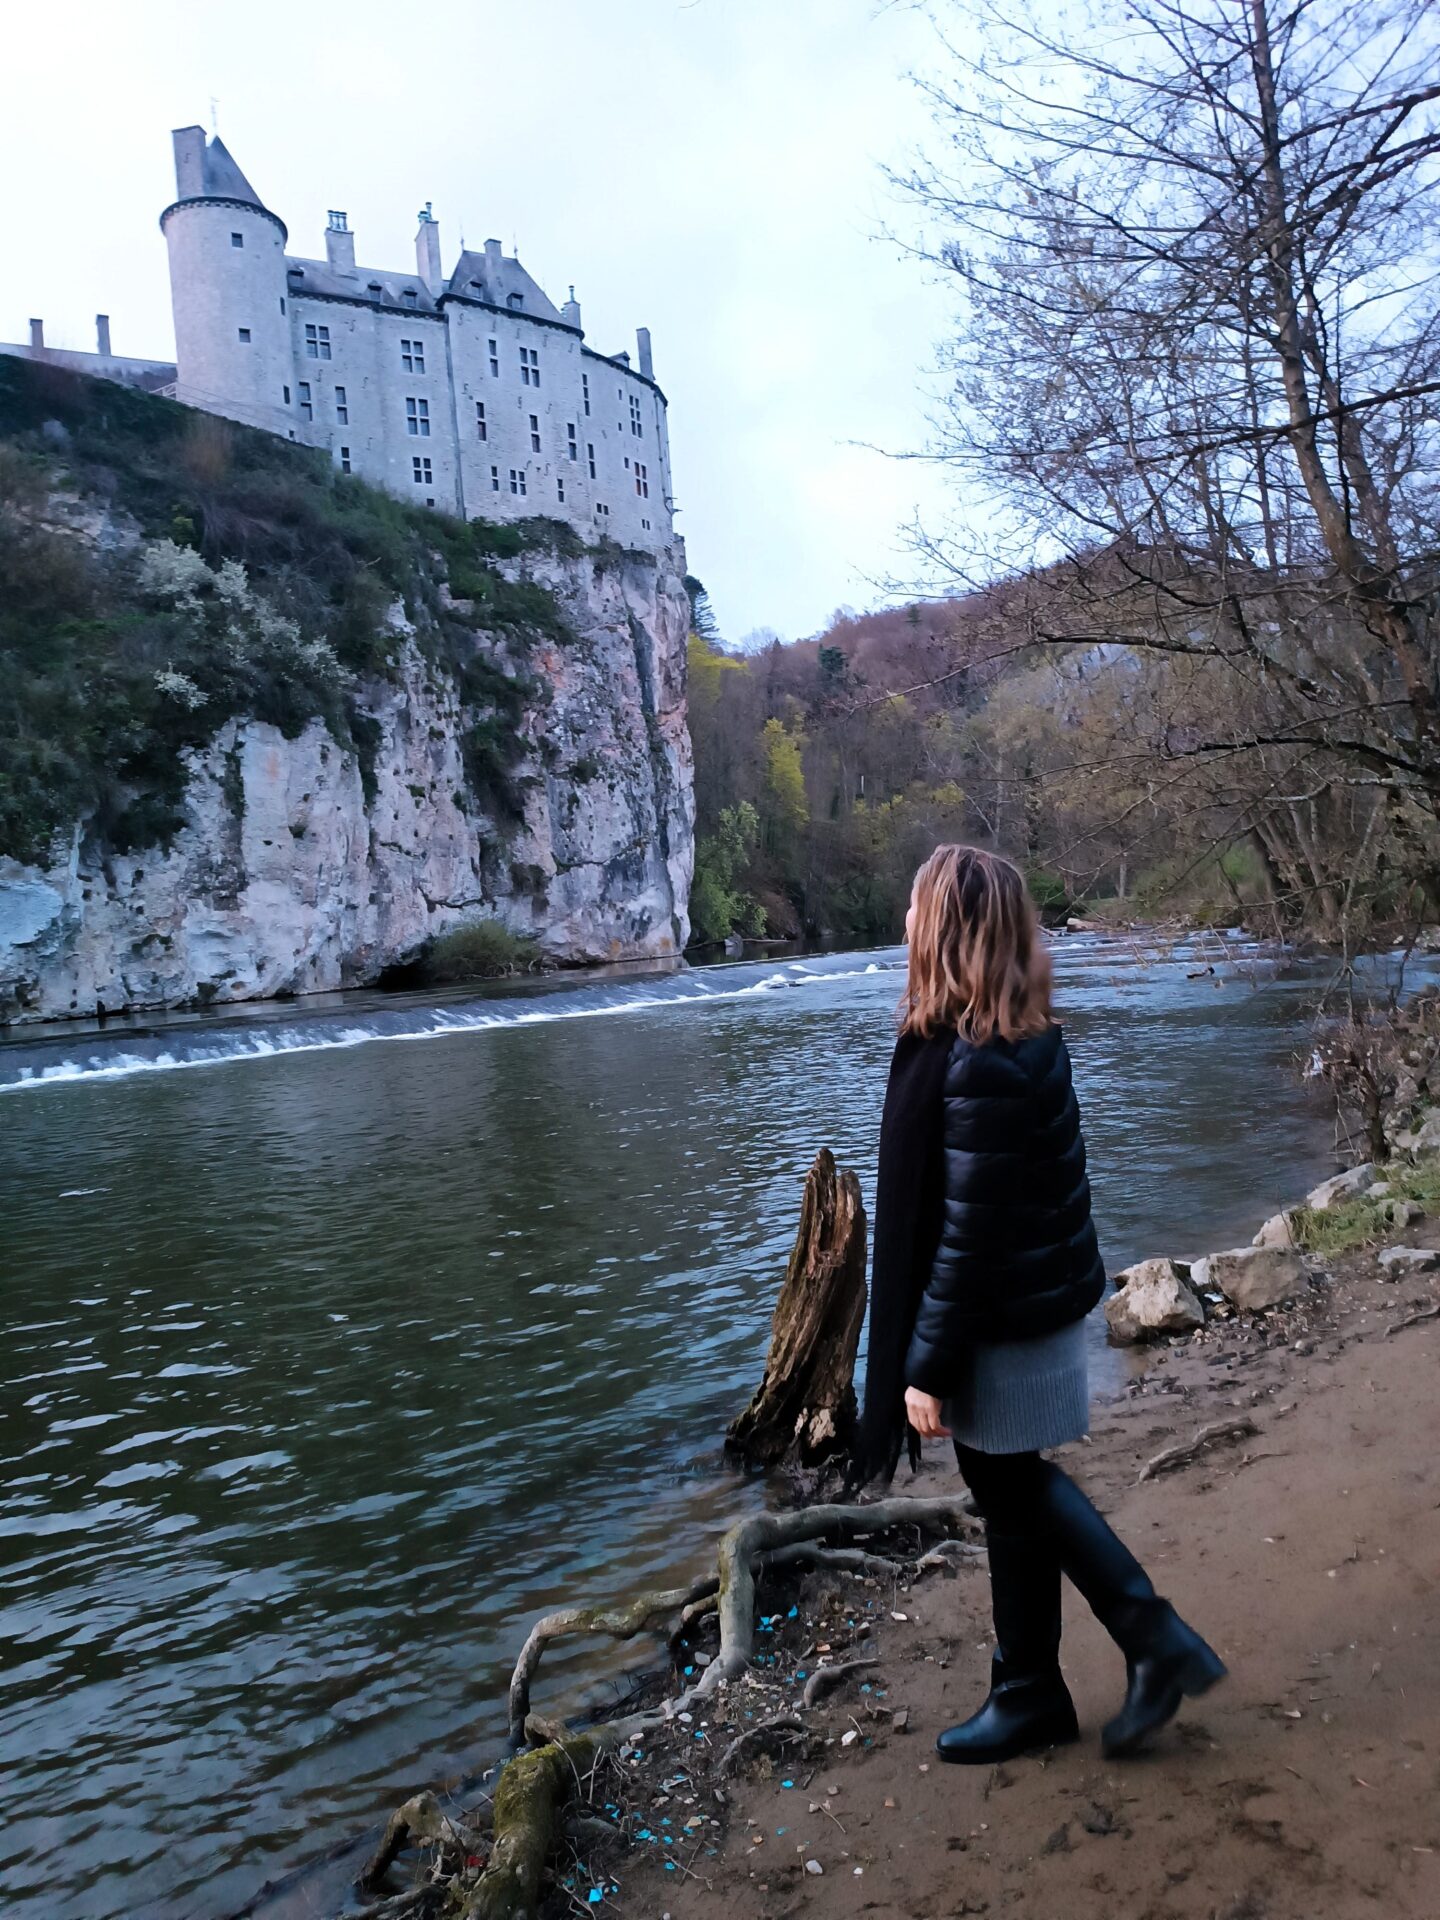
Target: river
(340, 1341)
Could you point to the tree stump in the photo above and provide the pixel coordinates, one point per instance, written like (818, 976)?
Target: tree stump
(804, 1409)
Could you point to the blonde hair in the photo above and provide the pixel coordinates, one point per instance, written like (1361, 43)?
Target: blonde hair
(977, 961)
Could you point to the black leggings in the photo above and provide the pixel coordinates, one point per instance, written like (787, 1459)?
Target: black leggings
(1010, 1489)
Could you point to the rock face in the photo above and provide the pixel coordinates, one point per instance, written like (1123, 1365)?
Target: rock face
(290, 877)
(1344, 1186)
(1251, 1278)
(1152, 1299)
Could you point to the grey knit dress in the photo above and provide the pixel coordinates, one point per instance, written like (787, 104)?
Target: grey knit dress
(1018, 1396)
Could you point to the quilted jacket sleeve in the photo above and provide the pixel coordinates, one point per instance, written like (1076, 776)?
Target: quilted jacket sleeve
(989, 1117)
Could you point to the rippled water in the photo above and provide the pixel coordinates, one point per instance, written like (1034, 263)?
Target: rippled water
(331, 1362)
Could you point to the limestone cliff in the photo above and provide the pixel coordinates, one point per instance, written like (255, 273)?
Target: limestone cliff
(286, 773)
(286, 877)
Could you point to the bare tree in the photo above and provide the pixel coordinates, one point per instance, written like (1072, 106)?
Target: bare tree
(1195, 387)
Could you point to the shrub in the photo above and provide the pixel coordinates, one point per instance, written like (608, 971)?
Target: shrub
(479, 950)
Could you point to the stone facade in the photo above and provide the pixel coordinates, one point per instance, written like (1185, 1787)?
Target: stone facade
(470, 392)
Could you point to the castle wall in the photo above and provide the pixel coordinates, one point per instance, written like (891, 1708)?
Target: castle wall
(324, 352)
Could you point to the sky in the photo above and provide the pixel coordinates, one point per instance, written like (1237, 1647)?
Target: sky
(712, 169)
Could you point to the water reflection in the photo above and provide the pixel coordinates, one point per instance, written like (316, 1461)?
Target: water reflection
(324, 1371)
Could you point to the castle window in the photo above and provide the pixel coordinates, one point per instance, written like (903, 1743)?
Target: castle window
(529, 366)
(344, 460)
(602, 511)
(535, 433)
(286, 392)
(635, 426)
(494, 359)
(417, 417)
(560, 488)
(237, 239)
(244, 336)
(422, 471)
(307, 412)
(627, 463)
(317, 341)
(517, 480)
(585, 390)
(642, 481)
(574, 443)
(482, 431)
(409, 296)
(590, 457)
(342, 408)
(494, 479)
(412, 355)
(282, 303)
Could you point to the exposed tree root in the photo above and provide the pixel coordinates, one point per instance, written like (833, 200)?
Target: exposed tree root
(1414, 1319)
(651, 1612)
(421, 1819)
(825, 1679)
(751, 1545)
(764, 1532)
(1242, 1427)
(529, 1799)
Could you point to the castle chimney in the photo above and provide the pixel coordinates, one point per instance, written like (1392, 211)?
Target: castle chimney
(647, 362)
(570, 312)
(37, 336)
(340, 242)
(427, 251)
(102, 335)
(492, 252)
(189, 144)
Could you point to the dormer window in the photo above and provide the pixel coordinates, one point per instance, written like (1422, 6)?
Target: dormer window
(515, 301)
(409, 296)
(375, 289)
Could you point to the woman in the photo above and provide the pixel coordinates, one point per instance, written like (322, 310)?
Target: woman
(986, 1265)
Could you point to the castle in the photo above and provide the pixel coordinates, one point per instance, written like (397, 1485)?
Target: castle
(470, 393)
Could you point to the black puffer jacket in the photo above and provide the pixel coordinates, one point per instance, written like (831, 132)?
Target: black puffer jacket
(1017, 1254)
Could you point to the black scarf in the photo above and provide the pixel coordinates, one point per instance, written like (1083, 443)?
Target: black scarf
(909, 1212)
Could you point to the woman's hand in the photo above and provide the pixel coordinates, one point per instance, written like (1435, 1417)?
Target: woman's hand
(923, 1412)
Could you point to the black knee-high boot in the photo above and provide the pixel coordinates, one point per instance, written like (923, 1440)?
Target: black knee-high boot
(1029, 1705)
(1164, 1658)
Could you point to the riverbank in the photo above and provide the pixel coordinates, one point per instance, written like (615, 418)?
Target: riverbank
(1307, 1549)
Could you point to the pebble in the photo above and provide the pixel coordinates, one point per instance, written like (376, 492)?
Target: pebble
(813, 1866)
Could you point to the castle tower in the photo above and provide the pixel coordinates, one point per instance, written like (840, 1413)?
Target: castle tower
(228, 289)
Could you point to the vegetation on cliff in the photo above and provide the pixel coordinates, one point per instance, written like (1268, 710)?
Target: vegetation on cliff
(162, 571)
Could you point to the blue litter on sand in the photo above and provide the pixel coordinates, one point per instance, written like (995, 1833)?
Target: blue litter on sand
(787, 1783)
(596, 1896)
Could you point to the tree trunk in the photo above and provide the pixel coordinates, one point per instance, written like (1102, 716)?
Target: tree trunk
(805, 1407)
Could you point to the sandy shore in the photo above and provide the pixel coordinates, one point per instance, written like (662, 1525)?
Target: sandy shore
(1307, 1786)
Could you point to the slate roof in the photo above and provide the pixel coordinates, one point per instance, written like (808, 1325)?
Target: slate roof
(355, 283)
(223, 179)
(479, 277)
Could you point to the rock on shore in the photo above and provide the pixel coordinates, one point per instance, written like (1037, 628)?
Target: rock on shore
(1152, 1298)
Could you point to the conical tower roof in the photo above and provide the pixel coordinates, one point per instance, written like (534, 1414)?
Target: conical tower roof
(223, 179)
